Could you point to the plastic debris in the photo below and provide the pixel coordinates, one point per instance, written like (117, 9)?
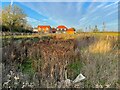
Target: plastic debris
(79, 78)
(68, 83)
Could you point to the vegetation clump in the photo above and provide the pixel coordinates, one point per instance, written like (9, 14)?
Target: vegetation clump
(46, 60)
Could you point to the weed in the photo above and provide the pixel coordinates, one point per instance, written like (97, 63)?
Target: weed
(26, 67)
(75, 67)
(96, 57)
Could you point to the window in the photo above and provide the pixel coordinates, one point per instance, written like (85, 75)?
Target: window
(39, 29)
(47, 28)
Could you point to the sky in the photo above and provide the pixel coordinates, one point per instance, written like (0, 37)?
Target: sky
(71, 14)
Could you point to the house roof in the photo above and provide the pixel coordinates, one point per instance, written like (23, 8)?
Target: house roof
(71, 29)
(42, 26)
(62, 27)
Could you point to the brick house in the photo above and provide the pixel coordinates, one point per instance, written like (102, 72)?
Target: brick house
(44, 29)
(61, 29)
(70, 31)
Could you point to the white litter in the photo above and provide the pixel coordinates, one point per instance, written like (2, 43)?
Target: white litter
(79, 78)
(67, 82)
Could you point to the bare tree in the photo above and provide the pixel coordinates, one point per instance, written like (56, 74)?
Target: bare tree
(96, 29)
(89, 28)
(104, 26)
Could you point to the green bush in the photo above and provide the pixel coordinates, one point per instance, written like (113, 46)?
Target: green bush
(27, 67)
(75, 67)
(36, 39)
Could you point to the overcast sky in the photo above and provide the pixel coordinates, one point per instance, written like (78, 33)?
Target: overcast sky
(71, 14)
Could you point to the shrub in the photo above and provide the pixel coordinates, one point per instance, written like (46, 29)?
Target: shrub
(75, 68)
(26, 66)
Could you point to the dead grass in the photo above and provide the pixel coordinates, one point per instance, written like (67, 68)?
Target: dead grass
(96, 57)
(102, 46)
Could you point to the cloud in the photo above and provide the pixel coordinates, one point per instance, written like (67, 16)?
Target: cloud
(113, 12)
(111, 4)
(33, 21)
(78, 14)
(33, 7)
(94, 9)
(82, 19)
(98, 7)
(62, 0)
(79, 7)
(29, 19)
(112, 26)
(98, 14)
(11, 2)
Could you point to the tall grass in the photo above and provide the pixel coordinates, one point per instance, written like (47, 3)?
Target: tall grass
(43, 61)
